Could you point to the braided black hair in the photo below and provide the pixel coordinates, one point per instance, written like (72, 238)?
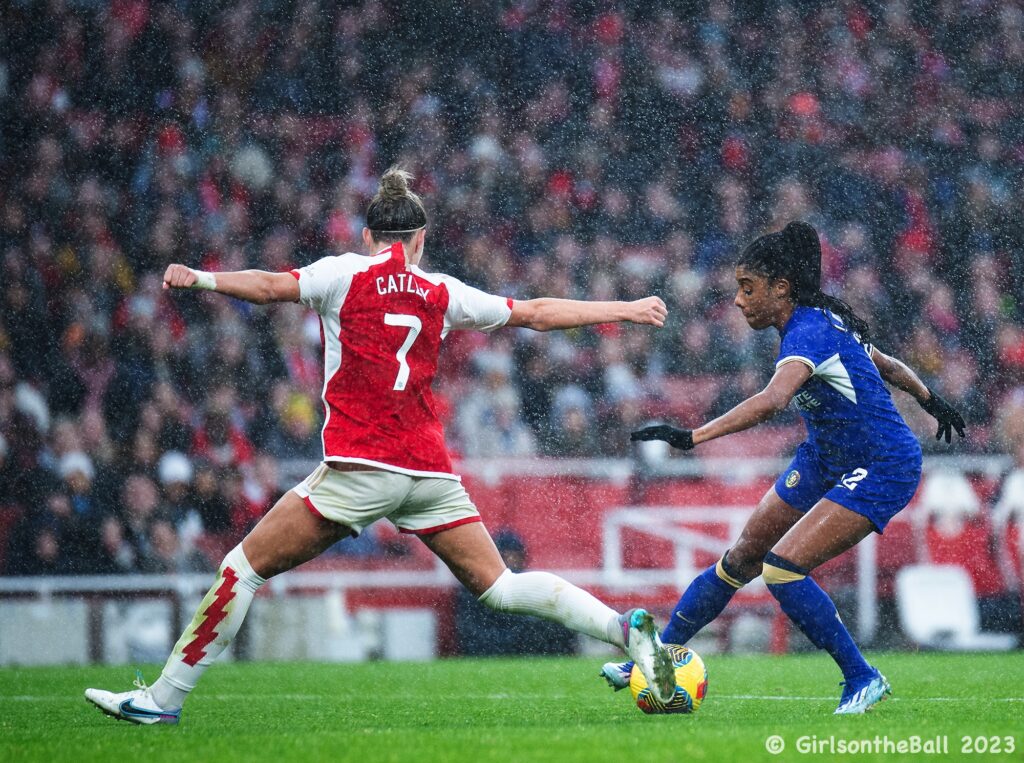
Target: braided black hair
(794, 253)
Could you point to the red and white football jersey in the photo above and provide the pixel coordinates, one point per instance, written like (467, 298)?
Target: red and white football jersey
(382, 323)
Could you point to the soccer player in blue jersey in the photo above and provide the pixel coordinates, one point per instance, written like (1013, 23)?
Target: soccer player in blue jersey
(859, 466)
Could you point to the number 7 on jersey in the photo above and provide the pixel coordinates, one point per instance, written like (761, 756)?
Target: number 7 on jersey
(414, 325)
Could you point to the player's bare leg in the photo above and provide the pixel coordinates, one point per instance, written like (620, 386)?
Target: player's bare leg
(286, 537)
(472, 557)
(470, 553)
(826, 531)
(770, 521)
(710, 592)
(289, 535)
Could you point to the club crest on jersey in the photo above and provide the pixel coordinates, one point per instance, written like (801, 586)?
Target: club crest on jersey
(401, 282)
(792, 478)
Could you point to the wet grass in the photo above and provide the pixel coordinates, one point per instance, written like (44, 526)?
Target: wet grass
(513, 710)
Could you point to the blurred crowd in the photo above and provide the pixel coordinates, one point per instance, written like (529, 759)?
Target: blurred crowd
(573, 149)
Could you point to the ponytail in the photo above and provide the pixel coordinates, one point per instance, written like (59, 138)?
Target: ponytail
(395, 212)
(802, 250)
(794, 253)
(850, 319)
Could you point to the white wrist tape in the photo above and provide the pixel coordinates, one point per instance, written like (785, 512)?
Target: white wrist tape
(204, 280)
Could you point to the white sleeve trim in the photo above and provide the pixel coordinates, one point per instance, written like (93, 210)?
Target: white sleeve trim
(798, 359)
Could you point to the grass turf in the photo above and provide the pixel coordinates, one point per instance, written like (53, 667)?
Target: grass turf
(510, 710)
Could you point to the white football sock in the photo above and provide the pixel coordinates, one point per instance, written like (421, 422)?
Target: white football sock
(215, 624)
(542, 594)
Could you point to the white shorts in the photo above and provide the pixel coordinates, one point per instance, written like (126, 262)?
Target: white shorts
(418, 505)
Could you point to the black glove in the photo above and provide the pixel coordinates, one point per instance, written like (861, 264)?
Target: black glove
(948, 417)
(677, 438)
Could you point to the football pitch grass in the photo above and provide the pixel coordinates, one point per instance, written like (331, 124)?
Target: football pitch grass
(514, 710)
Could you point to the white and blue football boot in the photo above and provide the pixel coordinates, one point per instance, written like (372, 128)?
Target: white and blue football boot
(617, 674)
(136, 706)
(644, 647)
(860, 697)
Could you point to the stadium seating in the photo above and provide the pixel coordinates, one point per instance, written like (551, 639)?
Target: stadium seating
(9, 517)
(687, 398)
(1008, 524)
(957, 531)
(938, 610)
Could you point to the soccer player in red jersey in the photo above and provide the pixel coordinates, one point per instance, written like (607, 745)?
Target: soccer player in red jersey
(382, 320)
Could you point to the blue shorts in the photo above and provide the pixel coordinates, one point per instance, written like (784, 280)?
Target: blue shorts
(877, 489)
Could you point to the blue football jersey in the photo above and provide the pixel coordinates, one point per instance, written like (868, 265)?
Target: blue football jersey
(849, 412)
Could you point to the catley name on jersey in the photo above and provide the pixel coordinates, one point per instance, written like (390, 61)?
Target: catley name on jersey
(400, 282)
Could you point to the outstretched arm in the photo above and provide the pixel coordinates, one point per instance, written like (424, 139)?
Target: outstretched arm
(897, 373)
(764, 405)
(258, 286)
(549, 314)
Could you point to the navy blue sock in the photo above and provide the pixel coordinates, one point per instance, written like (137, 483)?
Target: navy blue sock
(702, 602)
(807, 605)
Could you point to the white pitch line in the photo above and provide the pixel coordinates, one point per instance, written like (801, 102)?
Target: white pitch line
(891, 699)
(227, 697)
(292, 697)
(502, 697)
